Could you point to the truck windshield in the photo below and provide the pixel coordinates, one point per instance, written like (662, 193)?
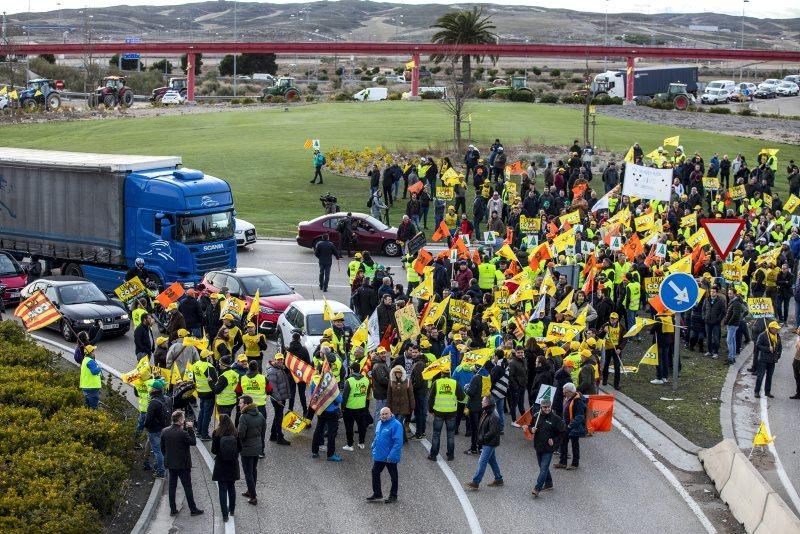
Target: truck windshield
(202, 228)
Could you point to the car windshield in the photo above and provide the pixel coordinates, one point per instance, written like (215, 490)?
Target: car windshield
(80, 293)
(315, 324)
(268, 285)
(713, 92)
(9, 267)
(202, 228)
(714, 85)
(375, 223)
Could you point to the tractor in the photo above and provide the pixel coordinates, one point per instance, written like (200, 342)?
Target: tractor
(111, 93)
(284, 87)
(677, 95)
(501, 86)
(175, 84)
(40, 94)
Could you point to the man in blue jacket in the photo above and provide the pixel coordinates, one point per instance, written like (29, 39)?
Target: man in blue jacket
(386, 451)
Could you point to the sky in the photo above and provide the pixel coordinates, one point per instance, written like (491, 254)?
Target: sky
(772, 9)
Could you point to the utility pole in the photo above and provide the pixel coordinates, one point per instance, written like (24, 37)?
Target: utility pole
(741, 68)
(235, 39)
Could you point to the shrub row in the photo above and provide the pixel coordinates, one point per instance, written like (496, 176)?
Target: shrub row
(63, 466)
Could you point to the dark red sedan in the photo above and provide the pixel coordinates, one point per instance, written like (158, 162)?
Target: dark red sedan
(373, 235)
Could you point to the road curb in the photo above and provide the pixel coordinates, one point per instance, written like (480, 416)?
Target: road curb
(726, 395)
(667, 431)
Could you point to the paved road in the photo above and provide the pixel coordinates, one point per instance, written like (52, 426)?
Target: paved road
(617, 488)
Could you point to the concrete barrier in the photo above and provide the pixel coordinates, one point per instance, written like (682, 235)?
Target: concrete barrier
(718, 460)
(778, 518)
(745, 493)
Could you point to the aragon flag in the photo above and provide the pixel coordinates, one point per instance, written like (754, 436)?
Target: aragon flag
(37, 312)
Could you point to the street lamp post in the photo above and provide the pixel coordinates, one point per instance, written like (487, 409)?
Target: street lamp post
(741, 67)
(605, 38)
(235, 39)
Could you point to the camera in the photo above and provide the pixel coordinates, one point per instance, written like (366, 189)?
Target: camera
(329, 203)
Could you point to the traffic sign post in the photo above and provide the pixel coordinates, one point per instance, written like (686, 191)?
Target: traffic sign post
(679, 293)
(722, 234)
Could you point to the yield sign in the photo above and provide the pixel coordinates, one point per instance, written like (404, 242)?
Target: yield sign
(723, 234)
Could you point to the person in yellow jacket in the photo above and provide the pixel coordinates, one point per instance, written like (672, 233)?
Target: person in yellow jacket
(254, 345)
(91, 378)
(255, 384)
(355, 399)
(204, 375)
(225, 386)
(354, 266)
(487, 276)
(451, 218)
(443, 399)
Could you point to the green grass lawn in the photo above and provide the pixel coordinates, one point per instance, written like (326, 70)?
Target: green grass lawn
(260, 152)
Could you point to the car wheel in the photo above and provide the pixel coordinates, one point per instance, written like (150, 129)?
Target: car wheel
(66, 331)
(391, 248)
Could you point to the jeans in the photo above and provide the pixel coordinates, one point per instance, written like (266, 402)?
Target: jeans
(415, 220)
(421, 410)
(204, 417)
(544, 478)
(731, 339)
(517, 401)
(377, 468)
(499, 407)
(576, 450)
(476, 225)
(250, 468)
(359, 417)
(185, 476)
(155, 446)
(324, 276)
(424, 215)
(140, 422)
(196, 332)
(761, 369)
(227, 496)
(631, 318)
(379, 404)
(317, 174)
(395, 188)
(92, 398)
(327, 425)
(488, 456)
(712, 336)
(782, 307)
(450, 425)
(276, 430)
(301, 392)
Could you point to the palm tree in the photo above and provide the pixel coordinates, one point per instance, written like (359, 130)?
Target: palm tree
(463, 28)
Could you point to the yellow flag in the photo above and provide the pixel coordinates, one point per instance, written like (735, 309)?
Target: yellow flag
(629, 155)
(506, 252)
(436, 310)
(476, 357)
(361, 334)
(450, 177)
(689, 220)
(644, 222)
(561, 332)
(762, 437)
(13, 95)
(564, 306)
(581, 319)
(294, 423)
(653, 155)
(641, 323)
(672, 141)
(523, 292)
(562, 241)
(410, 65)
(442, 364)
(573, 217)
(255, 306)
(651, 356)
(175, 374)
(698, 238)
(683, 265)
(791, 204)
(3, 90)
(767, 200)
(327, 311)
(548, 285)
(770, 257)
(423, 291)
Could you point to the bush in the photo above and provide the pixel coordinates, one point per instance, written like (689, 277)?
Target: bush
(746, 112)
(236, 101)
(549, 98)
(555, 73)
(430, 95)
(573, 99)
(277, 99)
(395, 96)
(248, 100)
(309, 98)
(607, 101)
(719, 110)
(342, 97)
(576, 79)
(536, 71)
(521, 96)
(558, 84)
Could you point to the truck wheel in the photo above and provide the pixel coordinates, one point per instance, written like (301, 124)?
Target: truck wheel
(291, 95)
(72, 269)
(127, 98)
(91, 100)
(109, 101)
(53, 101)
(66, 331)
(681, 102)
(29, 105)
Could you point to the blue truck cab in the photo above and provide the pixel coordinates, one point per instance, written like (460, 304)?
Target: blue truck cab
(97, 213)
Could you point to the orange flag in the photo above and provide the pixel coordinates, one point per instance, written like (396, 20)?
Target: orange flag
(541, 253)
(525, 420)
(516, 168)
(578, 190)
(513, 268)
(613, 232)
(698, 257)
(458, 244)
(633, 247)
(552, 230)
(423, 258)
(509, 236)
(476, 257)
(599, 413)
(416, 188)
(651, 257)
(588, 287)
(441, 232)
(657, 304)
(590, 263)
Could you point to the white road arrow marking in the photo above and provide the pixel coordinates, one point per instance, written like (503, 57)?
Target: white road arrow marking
(681, 295)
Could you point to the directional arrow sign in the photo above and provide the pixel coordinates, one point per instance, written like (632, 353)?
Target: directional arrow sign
(722, 234)
(678, 292)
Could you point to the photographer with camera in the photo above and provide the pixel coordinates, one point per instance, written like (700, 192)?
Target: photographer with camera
(329, 203)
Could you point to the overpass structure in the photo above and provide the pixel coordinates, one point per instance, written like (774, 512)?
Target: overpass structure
(411, 50)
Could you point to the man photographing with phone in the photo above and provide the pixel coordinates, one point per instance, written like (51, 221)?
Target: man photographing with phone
(175, 443)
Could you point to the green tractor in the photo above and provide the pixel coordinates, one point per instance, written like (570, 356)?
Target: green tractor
(677, 95)
(284, 87)
(501, 86)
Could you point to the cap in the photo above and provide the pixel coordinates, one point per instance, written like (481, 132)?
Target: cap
(424, 344)
(205, 353)
(241, 358)
(586, 353)
(278, 356)
(569, 363)
(251, 324)
(328, 332)
(358, 256)
(381, 350)
(88, 349)
(172, 306)
(592, 342)
(574, 345)
(338, 317)
(156, 383)
(614, 315)
(227, 317)
(456, 337)
(774, 324)
(161, 340)
(461, 347)
(182, 332)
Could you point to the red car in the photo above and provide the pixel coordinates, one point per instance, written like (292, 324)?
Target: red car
(275, 295)
(373, 235)
(12, 277)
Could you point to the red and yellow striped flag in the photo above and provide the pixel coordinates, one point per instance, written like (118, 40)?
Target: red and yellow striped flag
(37, 312)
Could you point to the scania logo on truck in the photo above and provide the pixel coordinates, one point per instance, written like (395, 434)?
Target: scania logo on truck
(208, 248)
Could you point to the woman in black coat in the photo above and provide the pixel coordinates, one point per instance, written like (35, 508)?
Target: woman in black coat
(225, 447)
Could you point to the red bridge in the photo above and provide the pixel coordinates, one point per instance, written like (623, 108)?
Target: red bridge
(412, 50)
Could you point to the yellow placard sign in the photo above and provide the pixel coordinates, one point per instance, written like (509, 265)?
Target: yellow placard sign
(529, 224)
(760, 308)
(461, 311)
(652, 284)
(738, 192)
(445, 193)
(501, 297)
(731, 272)
(130, 289)
(710, 182)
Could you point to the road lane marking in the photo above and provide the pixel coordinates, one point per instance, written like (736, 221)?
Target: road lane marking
(466, 506)
(693, 506)
(230, 526)
(787, 483)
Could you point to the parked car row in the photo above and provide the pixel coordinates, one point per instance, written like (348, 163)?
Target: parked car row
(724, 91)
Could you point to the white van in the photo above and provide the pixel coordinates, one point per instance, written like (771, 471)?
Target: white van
(371, 93)
(728, 85)
(718, 92)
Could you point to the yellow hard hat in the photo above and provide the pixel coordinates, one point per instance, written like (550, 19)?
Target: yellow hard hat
(574, 345)
(424, 344)
(182, 332)
(88, 349)
(161, 340)
(358, 256)
(227, 317)
(278, 356)
(328, 332)
(338, 317)
(586, 353)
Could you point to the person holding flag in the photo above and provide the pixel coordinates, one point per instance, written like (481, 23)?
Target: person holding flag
(279, 387)
(325, 401)
(548, 431)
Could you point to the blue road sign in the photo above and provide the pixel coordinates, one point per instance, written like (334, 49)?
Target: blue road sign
(678, 292)
(130, 56)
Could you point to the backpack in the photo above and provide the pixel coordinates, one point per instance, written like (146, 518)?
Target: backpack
(369, 202)
(324, 161)
(166, 411)
(228, 448)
